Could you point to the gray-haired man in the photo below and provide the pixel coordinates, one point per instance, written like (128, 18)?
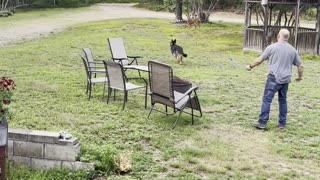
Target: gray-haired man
(280, 56)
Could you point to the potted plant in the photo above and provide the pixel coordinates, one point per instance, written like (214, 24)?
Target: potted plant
(6, 87)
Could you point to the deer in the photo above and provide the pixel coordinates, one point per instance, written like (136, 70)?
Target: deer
(193, 22)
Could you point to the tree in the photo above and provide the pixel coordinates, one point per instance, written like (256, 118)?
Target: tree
(179, 10)
(6, 7)
(201, 9)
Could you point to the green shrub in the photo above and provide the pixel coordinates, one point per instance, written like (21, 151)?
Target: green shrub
(69, 3)
(42, 3)
(105, 157)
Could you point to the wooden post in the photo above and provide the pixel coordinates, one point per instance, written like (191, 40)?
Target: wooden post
(316, 46)
(246, 26)
(265, 25)
(2, 163)
(296, 25)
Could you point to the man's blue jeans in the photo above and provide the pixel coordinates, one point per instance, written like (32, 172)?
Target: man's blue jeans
(270, 89)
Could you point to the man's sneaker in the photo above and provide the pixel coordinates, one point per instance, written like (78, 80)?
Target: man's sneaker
(259, 125)
(281, 127)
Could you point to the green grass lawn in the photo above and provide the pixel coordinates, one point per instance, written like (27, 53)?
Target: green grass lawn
(51, 96)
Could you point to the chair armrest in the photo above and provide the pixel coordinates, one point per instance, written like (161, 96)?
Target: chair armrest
(94, 71)
(187, 93)
(119, 59)
(100, 61)
(96, 62)
(98, 71)
(134, 59)
(143, 79)
(97, 67)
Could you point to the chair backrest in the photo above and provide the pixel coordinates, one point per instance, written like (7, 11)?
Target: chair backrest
(160, 79)
(115, 75)
(89, 57)
(86, 67)
(118, 50)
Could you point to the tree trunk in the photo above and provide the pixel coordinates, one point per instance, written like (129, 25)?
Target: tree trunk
(179, 10)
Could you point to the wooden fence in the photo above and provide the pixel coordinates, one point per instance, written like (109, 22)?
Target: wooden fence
(306, 38)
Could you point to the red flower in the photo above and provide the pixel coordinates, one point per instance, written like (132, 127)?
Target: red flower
(6, 85)
(4, 101)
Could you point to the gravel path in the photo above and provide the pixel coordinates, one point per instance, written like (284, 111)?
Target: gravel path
(43, 26)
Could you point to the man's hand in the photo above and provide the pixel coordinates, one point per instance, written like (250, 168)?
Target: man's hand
(300, 72)
(248, 67)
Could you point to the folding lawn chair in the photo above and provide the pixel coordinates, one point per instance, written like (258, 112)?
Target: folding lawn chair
(96, 66)
(92, 80)
(162, 92)
(119, 54)
(116, 81)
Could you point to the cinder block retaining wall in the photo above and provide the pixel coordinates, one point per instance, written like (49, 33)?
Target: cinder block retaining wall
(44, 150)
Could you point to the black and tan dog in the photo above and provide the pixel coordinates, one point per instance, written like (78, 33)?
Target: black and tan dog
(177, 51)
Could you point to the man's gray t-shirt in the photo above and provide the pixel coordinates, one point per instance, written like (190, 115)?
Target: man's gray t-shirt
(281, 56)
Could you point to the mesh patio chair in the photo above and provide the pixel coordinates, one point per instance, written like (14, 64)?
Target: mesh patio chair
(96, 66)
(90, 79)
(162, 92)
(118, 53)
(116, 81)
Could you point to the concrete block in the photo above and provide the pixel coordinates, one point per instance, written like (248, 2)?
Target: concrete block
(59, 152)
(44, 137)
(18, 134)
(10, 147)
(20, 161)
(68, 142)
(77, 165)
(83, 165)
(44, 163)
(28, 149)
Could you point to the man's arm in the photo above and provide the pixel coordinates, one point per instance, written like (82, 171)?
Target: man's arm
(300, 72)
(257, 62)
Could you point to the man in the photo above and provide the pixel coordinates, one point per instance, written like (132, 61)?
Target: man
(280, 56)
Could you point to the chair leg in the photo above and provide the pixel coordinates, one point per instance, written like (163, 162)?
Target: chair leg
(146, 98)
(151, 108)
(87, 88)
(90, 89)
(166, 110)
(104, 89)
(178, 118)
(192, 115)
(126, 96)
(124, 99)
(114, 95)
(109, 94)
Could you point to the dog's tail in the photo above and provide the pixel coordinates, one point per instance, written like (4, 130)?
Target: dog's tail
(185, 55)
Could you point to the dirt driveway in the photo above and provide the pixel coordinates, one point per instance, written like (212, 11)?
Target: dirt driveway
(40, 27)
